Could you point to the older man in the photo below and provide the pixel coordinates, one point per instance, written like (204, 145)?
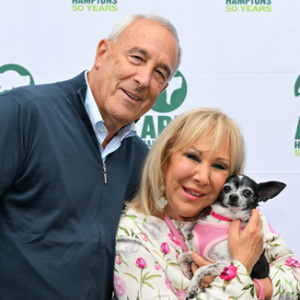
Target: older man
(69, 157)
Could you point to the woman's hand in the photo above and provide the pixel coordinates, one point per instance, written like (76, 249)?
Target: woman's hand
(247, 246)
(199, 261)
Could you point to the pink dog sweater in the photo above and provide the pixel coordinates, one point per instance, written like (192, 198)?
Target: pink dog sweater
(206, 235)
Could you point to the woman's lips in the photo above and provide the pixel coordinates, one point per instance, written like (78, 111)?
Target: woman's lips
(193, 194)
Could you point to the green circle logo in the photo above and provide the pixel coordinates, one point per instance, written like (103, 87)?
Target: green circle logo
(173, 96)
(12, 75)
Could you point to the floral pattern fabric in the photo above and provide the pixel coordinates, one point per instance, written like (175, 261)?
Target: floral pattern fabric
(146, 264)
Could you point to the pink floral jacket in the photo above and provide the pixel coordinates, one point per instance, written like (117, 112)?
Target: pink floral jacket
(146, 264)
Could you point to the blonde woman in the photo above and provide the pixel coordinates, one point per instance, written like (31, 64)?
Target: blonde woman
(183, 174)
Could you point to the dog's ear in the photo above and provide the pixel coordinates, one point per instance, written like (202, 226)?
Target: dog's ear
(270, 189)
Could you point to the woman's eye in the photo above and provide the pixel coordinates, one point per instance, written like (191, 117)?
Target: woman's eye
(192, 157)
(219, 166)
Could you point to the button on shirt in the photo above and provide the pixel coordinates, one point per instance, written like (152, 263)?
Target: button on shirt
(100, 129)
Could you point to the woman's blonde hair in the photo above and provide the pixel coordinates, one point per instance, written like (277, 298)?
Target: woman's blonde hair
(184, 131)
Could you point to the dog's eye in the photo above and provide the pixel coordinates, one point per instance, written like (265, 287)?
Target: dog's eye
(226, 189)
(247, 193)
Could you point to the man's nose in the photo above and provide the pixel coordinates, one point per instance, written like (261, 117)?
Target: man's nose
(143, 76)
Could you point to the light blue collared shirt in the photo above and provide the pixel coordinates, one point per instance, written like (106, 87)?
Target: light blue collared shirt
(99, 127)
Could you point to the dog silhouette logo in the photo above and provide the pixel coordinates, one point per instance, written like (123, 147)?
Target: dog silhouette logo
(297, 136)
(297, 87)
(173, 96)
(12, 76)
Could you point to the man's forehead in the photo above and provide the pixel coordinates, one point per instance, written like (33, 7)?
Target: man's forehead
(136, 37)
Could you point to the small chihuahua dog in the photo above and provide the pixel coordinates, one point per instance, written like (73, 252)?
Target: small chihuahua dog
(240, 194)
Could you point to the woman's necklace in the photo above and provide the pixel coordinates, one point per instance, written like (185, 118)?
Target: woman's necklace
(176, 233)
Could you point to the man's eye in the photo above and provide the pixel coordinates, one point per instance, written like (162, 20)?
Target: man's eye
(161, 74)
(137, 57)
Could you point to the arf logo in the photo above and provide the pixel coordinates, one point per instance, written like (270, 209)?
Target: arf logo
(12, 76)
(297, 87)
(297, 139)
(297, 136)
(172, 97)
(170, 100)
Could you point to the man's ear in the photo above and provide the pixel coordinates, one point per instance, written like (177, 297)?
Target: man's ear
(165, 86)
(102, 50)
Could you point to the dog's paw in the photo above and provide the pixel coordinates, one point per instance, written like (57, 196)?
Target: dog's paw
(192, 293)
(184, 261)
(187, 272)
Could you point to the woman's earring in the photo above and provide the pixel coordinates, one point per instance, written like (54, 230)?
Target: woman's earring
(162, 202)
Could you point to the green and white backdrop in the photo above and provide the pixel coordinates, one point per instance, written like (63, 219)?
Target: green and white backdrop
(242, 56)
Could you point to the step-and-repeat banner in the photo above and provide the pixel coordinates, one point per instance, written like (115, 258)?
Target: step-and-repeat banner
(242, 56)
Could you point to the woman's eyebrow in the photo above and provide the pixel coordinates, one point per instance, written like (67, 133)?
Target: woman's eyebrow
(225, 160)
(197, 150)
(217, 159)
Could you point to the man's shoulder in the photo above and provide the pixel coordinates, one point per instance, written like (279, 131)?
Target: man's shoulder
(138, 144)
(30, 93)
(43, 94)
(141, 143)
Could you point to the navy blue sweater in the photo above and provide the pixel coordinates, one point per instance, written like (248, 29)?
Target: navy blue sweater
(58, 218)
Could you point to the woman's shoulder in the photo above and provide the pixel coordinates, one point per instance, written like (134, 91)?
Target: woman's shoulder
(130, 215)
(138, 226)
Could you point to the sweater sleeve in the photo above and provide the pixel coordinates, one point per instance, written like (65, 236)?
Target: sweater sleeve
(284, 266)
(233, 283)
(141, 271)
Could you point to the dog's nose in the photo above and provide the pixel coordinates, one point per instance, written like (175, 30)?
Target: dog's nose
(233, 198)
